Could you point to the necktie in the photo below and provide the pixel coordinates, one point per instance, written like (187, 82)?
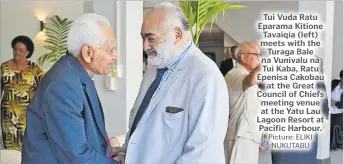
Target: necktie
(145, 102)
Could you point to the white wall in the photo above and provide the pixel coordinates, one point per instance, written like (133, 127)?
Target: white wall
(217, 49)
(241, 24)
(325, 10)
(19, 18)
(127, 24)
(337, 62)
(112, 101)
(116, 104)
(228, 41)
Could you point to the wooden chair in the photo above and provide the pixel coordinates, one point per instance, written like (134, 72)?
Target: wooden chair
(10, 157)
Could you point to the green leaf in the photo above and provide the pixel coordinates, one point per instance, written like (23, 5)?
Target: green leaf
(200, 12)
(52, 48)
(53, 38)
(55, 23)
(57, 29)
(52, 31)
(54, 43)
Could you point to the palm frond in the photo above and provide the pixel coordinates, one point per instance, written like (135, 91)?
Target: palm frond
(57, 32)
(200, 12)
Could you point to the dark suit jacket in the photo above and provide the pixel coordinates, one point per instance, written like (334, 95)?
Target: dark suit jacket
(334, 84)
(65, 122)
(226, 66)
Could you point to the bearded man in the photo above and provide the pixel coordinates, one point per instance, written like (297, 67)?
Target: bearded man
(181, 112)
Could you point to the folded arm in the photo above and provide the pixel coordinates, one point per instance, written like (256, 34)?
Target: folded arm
(64, 124)
(208, 119)
(339, 104)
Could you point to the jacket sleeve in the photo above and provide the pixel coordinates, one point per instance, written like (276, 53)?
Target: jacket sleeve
(64, 124)
(222, 68)
(208, 114)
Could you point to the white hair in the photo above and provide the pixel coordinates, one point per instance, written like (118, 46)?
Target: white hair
(174, 16)
(238, 52)
(86, 29)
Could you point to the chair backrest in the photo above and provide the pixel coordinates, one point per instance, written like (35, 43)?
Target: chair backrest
(10, 157)
(117, 141)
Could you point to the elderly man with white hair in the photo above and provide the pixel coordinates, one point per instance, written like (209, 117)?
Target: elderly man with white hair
(243, 138)
(181, 113)
(65, 120)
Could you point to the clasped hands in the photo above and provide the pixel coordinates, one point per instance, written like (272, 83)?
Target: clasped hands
(116, 156)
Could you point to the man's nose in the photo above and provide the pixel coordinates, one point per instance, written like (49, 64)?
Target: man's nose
(115, 55)
(146, 45)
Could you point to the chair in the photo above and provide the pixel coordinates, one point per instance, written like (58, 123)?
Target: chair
(10, 157)
(117, 141)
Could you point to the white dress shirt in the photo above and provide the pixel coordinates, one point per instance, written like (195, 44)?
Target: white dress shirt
(335, 96)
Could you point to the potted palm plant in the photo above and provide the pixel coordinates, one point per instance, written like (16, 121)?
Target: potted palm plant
(56, 31)
(200, 12)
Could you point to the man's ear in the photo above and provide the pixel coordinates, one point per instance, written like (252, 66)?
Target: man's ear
(243, 57)
(178, 34)
(87, 53)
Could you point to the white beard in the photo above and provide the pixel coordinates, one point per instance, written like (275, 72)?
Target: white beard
(164, 55)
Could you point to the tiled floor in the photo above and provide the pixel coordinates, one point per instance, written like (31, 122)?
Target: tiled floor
(336, 156)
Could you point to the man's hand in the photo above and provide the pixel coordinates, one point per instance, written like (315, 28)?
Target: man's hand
(258, 68)
(333, 103)
(120, 159)
(116, 150)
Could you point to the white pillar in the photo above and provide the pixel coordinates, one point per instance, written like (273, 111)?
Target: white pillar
(325, 10)
(337, 59)
(118, 103)
(133, 58)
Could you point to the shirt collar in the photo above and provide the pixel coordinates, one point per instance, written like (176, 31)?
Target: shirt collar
(180, 54)
(241, 67)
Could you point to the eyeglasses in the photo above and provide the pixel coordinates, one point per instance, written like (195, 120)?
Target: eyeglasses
(255, 54)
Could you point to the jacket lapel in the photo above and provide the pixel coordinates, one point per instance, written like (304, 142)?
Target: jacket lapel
(158, 95)
(96, 107)
(166, 85)
(91, 94)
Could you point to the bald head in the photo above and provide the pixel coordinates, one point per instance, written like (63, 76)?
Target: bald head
(248, 55)
(172, 16)
(165, 18)
(246, 47)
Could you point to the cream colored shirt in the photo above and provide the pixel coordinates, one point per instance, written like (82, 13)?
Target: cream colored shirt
(244, 106)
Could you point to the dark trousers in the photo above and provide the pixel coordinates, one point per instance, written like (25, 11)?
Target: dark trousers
(336, 119)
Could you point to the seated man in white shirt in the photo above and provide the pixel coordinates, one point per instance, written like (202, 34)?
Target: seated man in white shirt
(242, 140)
